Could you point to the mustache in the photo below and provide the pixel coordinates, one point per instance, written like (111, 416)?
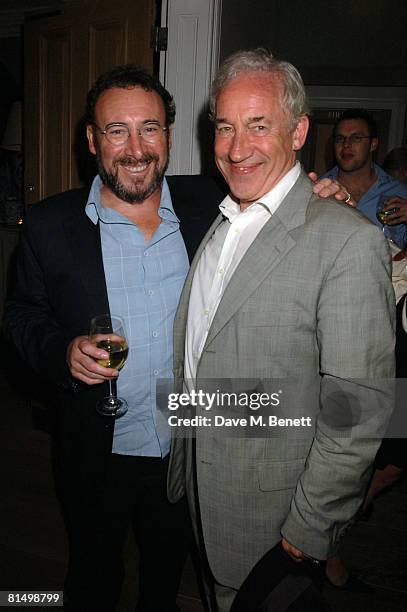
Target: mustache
(129, 160)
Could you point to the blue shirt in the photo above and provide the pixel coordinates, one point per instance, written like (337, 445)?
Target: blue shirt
(144, 282)
(367, 205)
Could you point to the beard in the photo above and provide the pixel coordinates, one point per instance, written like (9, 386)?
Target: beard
(139, 191)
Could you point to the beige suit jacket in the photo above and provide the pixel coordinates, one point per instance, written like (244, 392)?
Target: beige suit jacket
(311, 301)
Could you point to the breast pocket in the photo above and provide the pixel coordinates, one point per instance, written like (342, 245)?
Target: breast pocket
(270, 318)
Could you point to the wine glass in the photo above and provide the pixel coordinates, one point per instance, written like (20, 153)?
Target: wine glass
(381, 214)
(108, 333)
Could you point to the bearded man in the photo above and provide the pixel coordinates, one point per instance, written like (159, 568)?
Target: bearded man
(116, 249)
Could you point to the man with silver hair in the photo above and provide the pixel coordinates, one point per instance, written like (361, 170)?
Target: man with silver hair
(280, 288)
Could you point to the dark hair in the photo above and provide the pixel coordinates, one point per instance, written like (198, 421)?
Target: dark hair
(395, 159)
(358, 113)
(127, 77)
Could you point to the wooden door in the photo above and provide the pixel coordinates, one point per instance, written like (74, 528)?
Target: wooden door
(63, 57)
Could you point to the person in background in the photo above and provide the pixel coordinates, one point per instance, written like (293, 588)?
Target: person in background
(395, 164)
(391, 459)
(355, 141)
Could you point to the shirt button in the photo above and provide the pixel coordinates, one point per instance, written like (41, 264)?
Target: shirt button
(206, 312)
(155, 334)
(155, 372)
(145, 253)
(221, 271)
(150, 292)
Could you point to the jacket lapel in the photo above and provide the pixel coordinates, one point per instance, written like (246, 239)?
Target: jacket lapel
(272, 244)
(182, 312)
(86, 252)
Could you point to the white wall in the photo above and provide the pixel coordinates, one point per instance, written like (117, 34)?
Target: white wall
(186, 69)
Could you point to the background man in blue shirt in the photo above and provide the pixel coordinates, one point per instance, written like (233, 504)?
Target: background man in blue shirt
(121, 247)
(355, 140)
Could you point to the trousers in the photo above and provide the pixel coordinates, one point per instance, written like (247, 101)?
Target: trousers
(134, 496)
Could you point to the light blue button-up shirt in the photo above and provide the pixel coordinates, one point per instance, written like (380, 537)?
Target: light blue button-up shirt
(144, 282)
(387, 186)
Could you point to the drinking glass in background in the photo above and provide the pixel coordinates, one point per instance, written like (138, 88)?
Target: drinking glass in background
(383, 215)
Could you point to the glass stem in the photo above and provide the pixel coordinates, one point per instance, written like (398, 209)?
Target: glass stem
(113, 388)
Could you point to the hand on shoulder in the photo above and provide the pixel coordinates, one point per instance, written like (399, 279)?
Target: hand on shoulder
(328, 188)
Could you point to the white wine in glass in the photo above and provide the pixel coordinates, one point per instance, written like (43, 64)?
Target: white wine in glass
(108, 333)
(382, 215)
(118, 352)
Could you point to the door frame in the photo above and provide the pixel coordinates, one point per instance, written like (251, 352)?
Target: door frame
(187, 69)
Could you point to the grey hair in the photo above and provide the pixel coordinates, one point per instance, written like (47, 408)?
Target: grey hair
(294, 97)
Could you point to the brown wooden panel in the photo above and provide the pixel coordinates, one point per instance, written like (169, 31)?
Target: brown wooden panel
(107, 46)
(55, 111)
(63, 57)
(31, 123)
(140, 19)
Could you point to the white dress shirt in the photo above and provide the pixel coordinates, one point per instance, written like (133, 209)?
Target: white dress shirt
(219, 260)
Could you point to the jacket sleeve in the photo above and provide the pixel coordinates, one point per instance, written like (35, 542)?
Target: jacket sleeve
(29, 320)
(355, 333)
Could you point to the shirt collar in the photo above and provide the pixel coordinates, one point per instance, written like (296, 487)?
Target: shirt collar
(96, 211)
(270, 201)
(382, 177)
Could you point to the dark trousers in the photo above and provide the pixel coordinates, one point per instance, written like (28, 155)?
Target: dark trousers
(134, 495)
